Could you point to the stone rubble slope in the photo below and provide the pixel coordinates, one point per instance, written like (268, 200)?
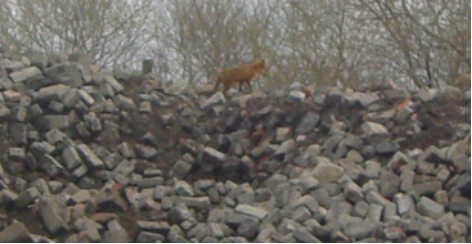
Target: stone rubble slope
(93, 156)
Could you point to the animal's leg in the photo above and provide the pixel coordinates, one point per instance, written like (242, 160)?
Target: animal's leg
(249, 84)
(240, 86)
(226, 87)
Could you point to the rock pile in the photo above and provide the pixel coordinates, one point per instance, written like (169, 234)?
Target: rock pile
(88, 155)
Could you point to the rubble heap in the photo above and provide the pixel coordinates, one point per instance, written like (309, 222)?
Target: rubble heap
(90, 155)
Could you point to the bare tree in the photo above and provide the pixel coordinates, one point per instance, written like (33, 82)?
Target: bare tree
(423, 36)
(111, 31)
(325, 42)
(206, 36)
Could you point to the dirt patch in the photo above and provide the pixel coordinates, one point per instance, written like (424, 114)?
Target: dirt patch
(438, 119)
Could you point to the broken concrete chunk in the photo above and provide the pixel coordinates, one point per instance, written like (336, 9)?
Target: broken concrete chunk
(65, 73)
(308, 123)
(212, 158)
(52, 211)
(374, 129)
(430, 208)
(25, 74)
(251, 211)
(326, 172)
(15, 233)
(92, 160)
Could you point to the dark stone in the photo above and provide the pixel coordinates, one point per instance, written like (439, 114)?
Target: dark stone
(308, 123)
(18, 132)
(386, 147)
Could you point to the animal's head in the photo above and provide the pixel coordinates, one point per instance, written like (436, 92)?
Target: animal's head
(259, 66)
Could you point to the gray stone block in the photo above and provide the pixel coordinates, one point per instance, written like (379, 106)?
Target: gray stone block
(65, 73)
(25, 74)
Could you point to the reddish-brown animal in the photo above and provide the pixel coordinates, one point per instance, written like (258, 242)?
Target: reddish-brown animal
(240, 74)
